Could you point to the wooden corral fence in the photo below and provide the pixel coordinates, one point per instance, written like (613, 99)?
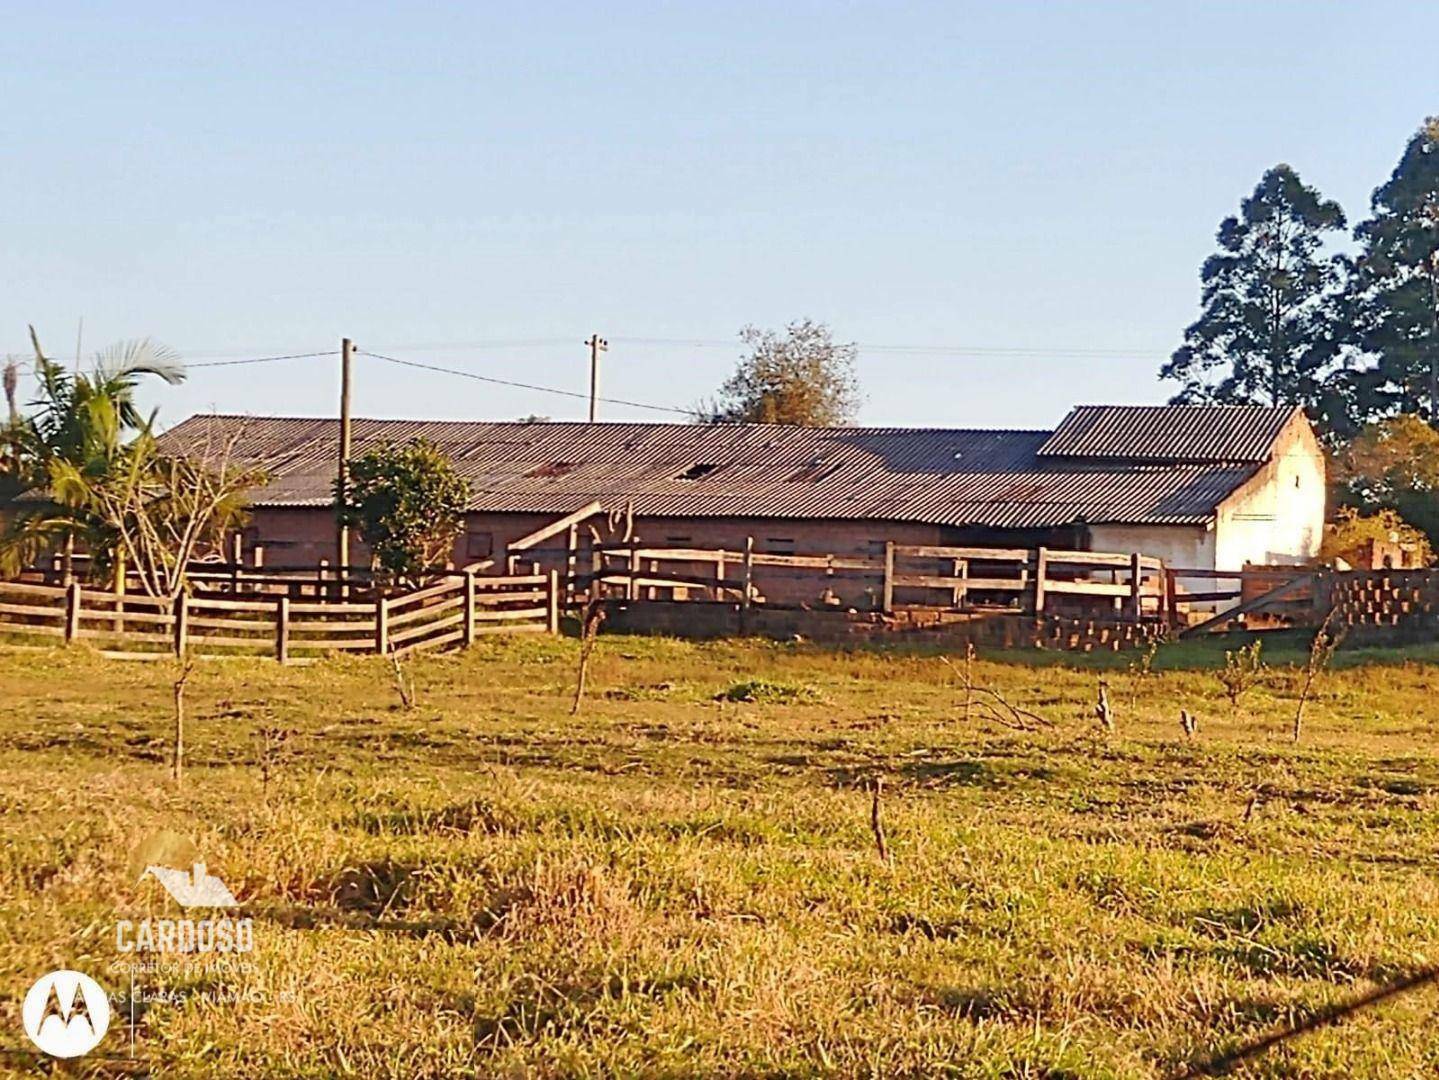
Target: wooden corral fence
(449, 613)
(1037, 580)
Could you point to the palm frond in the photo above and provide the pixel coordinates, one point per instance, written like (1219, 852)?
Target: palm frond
(120, 362)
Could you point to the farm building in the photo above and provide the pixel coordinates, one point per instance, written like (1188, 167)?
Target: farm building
(1210, 487)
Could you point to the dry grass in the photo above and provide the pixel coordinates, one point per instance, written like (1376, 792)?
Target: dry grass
(678, 883)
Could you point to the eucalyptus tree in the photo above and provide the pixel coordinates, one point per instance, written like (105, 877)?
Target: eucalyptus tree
(1265, 334)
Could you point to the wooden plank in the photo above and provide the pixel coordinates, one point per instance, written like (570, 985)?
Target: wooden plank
(556, 527)
(1088, 558)
(436, 643)
(32, 590)
(28, 609)
(1276, 593)
(818, 562)
(207, 604)
(491, 599)
(333, 644)
(513, 628)
(520, 613)
(886, 603)
(200, 641)
(228, 624)
(107, 600)
(1086, 588)
(511, 579)
(23, 628)
(153, 617)
(339, 626)
(89, 632)
(929, 551)
(429, 610)
(553, 620)
(426, 629)
(282, 629)
(404, 600)
(309, 608)
(972, 584)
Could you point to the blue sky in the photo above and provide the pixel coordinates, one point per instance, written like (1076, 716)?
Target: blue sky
(1024, 190)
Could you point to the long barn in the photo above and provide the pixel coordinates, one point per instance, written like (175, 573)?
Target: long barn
(1212, 487)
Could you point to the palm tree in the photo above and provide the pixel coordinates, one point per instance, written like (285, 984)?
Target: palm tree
(80, 433)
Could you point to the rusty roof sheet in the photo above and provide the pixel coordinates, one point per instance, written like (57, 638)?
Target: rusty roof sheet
(953, 477)
(1190, 434)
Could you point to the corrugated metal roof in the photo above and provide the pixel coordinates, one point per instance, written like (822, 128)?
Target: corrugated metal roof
(933, 476)
(1193, 434)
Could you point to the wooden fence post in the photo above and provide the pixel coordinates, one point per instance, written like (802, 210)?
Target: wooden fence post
(572, 558)
(469, 622)
(887, 603)
(554, 603)
(1041, 568)
(382, 625)
(748, 572)
(632, 590)
(72, 611)
(282, 629)
(182, 623)
(120, 575)
(237, 552)
(961, 591)
(1171, 597)
(1136, 583)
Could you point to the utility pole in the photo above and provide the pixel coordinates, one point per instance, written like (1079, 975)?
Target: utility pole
(342, 471)
(597, 345)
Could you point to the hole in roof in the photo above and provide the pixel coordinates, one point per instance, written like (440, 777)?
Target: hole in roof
(699, 471)
(553, 468)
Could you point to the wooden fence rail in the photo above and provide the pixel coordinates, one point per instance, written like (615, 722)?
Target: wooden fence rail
(451, 613)
(1021, 579)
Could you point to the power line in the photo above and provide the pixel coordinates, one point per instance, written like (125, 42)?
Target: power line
(524, 386)
(261, 359)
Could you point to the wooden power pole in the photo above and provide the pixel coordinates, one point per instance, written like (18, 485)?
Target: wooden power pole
(597, 345)
(342, 471)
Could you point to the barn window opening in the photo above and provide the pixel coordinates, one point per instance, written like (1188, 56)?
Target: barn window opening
(781, 545)
(479, 545)
(678, 539)
(699, 471)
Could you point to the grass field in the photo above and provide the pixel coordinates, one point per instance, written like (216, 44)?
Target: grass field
(679, 884)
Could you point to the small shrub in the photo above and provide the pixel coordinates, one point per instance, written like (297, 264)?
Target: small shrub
(1243, 668)
(772, 693)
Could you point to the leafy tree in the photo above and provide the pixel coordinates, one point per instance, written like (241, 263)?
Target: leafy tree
(1392, 464)
(1395, 285)
(79, 432)
(801, 377)
(161, 511)
(1264, 335)
(408, 504)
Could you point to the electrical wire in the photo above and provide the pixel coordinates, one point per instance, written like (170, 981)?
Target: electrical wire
(525, 386)
(262, 359)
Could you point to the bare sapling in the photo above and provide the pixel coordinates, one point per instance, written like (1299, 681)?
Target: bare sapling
(990, 703)
(177, 765)
(272, 742)
(1243, 668)
(968, 679)
(590, 619)
(1327, 640)
(876, 824)
(404, 685)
